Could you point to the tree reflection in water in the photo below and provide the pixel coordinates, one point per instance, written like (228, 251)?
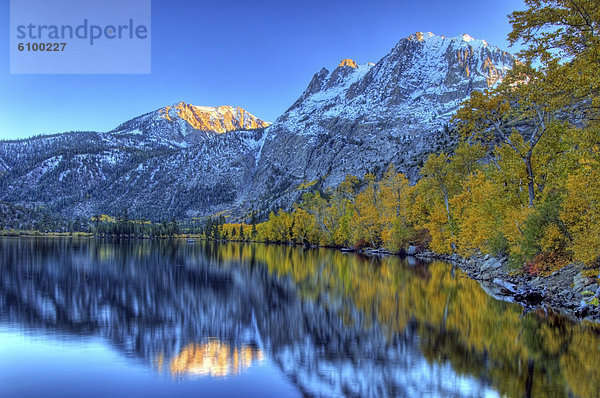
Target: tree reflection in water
(334, 323)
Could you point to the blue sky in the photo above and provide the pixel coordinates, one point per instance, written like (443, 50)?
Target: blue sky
(259, 55)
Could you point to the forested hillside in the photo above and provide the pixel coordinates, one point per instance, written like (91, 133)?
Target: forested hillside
(524, 180)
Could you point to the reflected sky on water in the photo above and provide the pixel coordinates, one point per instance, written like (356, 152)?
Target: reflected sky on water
(166, 318)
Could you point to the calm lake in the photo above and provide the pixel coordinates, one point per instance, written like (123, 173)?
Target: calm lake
(85, 317)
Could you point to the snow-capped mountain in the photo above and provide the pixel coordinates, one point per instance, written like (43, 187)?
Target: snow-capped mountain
(359, 118)
(178, 161)
(186, 160)
(182, 124)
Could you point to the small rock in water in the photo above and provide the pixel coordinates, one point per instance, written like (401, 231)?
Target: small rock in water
(529, 296)
(511, 287)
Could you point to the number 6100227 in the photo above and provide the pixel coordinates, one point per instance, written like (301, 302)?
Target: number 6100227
(41, 46)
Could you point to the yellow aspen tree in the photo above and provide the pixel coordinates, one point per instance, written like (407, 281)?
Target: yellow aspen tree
(581, 211)
(366, 225)
(317, 206)
(394, 191)
(304, 229)
(476, 211)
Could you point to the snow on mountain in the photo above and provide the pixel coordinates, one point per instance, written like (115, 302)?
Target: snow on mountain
(178, 161)
(359, 118)
(3, 166)
(424, 73)
(182, 124)
(185, 160)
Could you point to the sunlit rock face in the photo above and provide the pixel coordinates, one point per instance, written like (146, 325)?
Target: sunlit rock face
(183, 125)
(358, 118)
(348, 62)
(221, 119)
(191, 161)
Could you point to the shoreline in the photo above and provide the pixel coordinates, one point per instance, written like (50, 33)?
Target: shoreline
(559, 292)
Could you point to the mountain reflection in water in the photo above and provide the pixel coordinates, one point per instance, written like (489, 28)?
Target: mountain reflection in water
(212, 358)
(332, 323)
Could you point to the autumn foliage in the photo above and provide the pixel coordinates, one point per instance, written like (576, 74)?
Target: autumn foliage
(524, 181)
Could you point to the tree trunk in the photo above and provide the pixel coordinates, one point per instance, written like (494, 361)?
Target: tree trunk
(447, 203)
(530, 182)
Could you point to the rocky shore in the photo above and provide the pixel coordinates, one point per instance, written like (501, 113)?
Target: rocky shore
(566, 291)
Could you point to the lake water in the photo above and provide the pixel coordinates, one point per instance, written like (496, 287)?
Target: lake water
(84, 317)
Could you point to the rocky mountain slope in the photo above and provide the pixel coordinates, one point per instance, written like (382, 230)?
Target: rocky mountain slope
(183, 125)
(359, 118)
(185, 160)
(178, 161)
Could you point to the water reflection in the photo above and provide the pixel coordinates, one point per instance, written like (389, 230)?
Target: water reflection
(333, 323)
(213, 358)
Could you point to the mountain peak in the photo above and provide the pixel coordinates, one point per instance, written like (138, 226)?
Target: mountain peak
(182, 124)
(428, 36)
(348, 62)
(218, 119)
(467, 37)
(349, 120)
(420, 36)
